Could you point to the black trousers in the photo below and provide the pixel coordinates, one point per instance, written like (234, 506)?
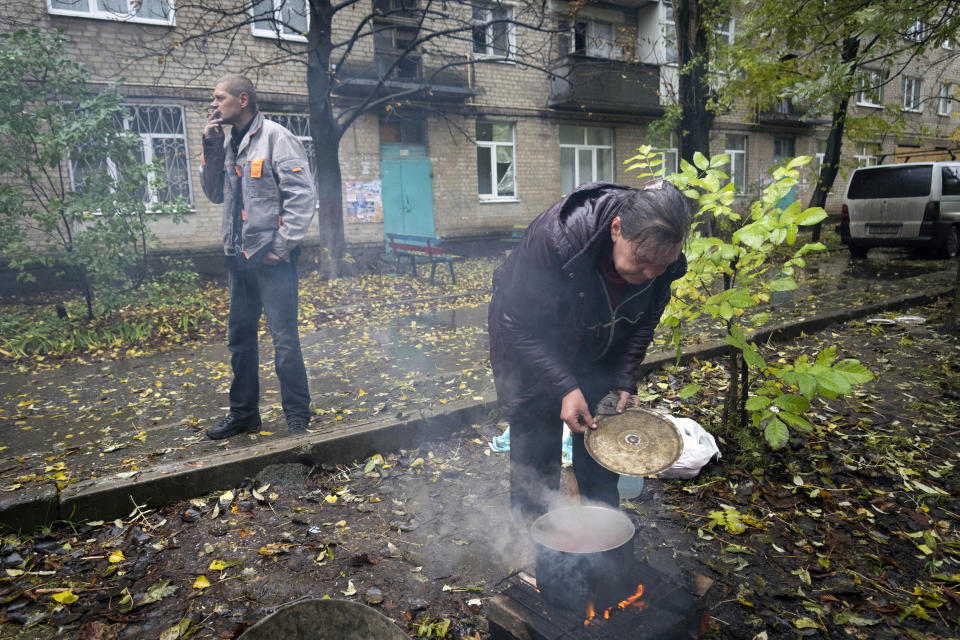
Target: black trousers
(535, 460)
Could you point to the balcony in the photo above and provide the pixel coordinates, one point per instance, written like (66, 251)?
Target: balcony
(785, 113)
(596, 84)
(409, 77)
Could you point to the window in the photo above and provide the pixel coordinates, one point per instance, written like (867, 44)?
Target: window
(916, 31)
(590, 38)
(148, 11)
(669, 32)
(784, 148)
(950, 177)
(286, 19)
(495, 161)
(396, 56)
(912, 93)
(162, 138)
(725, 31)
(944, 104)
(671, 156)
(299, 126)
(586, 155)
(736, 147)
(870, 89)
(493, 31)
(866, 155)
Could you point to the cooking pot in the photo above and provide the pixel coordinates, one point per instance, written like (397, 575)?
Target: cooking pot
(577, 548)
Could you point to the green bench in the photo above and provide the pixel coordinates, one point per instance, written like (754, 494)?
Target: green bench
(421, 249)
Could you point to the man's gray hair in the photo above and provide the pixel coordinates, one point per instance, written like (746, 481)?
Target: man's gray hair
(235, 84)
(657, 212)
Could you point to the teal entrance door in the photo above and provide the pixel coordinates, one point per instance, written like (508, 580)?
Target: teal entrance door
(406, 179)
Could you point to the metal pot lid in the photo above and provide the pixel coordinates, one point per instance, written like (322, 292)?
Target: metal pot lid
(637, 442)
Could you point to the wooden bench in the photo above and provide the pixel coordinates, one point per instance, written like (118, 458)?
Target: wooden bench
(422, 248)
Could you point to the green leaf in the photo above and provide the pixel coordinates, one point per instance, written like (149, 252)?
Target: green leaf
(792, 403)
(689, 391)
(756, 403)
(776, 433)
(853, 371)
(751, 235)
(795, 421)
(700, 161)
(783, 284)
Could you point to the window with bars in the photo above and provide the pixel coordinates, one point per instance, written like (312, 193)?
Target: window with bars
(912, 93)
(299, 125)
(493, 33)
(162, 138)
(866, 154)
(736, 148)
(147, 11)
(284, 19)
(586, 155)
(496, 161)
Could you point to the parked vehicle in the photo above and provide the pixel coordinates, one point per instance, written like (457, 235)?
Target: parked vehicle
(915, 204)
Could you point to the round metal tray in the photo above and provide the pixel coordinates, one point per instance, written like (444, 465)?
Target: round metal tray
(637, 442)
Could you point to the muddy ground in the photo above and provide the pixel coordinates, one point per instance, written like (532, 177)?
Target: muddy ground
(850, 532)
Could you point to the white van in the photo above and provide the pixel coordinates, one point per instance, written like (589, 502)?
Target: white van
(901, 205)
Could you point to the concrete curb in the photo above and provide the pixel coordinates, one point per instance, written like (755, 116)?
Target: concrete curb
(111, 497)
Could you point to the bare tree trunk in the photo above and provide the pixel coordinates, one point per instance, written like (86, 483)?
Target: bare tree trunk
(696, 119)
(955, 307)
(326, 134)
(831, 157)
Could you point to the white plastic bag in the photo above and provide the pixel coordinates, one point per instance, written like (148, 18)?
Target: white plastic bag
(698, 448)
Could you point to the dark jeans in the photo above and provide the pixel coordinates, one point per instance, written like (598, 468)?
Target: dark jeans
(535, 461)
(273, 290)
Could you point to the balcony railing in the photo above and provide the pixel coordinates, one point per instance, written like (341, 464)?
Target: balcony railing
(581, 82)
(410, 76)
(785, 112)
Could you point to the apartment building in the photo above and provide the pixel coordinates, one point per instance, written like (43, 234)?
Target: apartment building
(487, 146)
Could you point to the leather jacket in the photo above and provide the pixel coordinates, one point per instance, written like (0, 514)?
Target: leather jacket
(274, 175)
(552, 326)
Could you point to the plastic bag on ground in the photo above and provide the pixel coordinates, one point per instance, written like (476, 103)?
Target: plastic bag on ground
(699, 447)
(501, 443)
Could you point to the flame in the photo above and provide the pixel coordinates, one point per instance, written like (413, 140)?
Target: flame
(591, 614)
(632, 601)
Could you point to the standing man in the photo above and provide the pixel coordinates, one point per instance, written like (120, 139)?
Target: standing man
(261, 175)
(574, 308)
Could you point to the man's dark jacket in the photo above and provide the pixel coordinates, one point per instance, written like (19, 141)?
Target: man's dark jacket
(552, 326)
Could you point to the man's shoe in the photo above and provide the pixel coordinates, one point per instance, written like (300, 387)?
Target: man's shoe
(232, 425)
(297, 425)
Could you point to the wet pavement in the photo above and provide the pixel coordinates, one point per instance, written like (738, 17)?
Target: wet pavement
(77, 421)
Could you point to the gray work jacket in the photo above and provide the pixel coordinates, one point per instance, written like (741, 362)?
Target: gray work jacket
(278, 191)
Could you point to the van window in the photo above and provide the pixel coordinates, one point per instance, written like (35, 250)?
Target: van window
(951, 180)
(907, 181)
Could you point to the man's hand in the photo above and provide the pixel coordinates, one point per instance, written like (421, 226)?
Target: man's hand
(271, 259)
(575, 412)
(213, 128)
(625, 397)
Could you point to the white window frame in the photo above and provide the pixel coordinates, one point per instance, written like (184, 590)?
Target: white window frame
(492, 146)
(485, 23)
(912, 93)
(945, 102)
(867, 154)
(147, 142)
(738, 157)
(671, 156)
(668, 33)
(594, 149)
(92, 11)
(275, 30)
(724, 31)
(595, 44)
(873, 79)
(916, 31)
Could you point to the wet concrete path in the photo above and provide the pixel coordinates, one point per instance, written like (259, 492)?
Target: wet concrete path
(78, 421)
